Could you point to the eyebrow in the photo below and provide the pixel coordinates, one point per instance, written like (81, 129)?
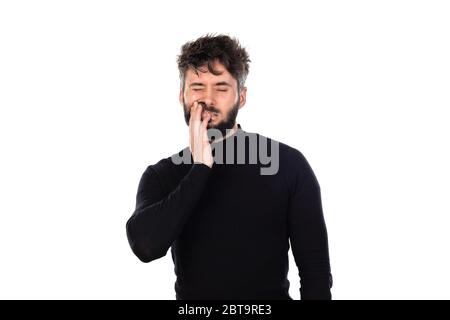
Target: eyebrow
(221, 83)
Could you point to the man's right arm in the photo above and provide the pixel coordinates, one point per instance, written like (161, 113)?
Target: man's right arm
(158, 219)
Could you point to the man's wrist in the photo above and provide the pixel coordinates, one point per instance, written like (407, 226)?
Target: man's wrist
(206, 164)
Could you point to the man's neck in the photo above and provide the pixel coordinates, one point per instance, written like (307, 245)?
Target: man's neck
(231, 132)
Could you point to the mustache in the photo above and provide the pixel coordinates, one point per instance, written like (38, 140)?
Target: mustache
(208, 108)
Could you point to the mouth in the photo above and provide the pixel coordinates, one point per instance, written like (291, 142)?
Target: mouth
(213, 115)
(205, 111)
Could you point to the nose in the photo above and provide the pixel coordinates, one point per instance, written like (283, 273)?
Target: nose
(208, 97)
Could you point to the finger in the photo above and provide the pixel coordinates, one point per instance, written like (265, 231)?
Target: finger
(205, 121)
(197, 114)
(192, 131)
(192, 111)
(204, 127)
(194, 124)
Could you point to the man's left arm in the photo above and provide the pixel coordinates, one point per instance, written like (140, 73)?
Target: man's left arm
(308, 234)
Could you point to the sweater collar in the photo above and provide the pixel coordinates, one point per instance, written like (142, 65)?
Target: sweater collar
(238, 131)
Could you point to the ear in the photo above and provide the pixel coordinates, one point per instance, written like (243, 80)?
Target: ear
(242, 97)
(181, 96)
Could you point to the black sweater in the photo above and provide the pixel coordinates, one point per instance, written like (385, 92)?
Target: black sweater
(229, 226)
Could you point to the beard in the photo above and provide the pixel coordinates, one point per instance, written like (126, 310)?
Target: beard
(222, 126)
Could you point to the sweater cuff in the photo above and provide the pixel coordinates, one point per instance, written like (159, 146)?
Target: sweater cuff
(200, 170)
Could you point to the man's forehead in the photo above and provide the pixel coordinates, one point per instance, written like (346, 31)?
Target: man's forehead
(203, 73)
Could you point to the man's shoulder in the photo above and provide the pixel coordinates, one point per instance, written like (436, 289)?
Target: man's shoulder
(166, 173)
(168, 165)
(286, 151)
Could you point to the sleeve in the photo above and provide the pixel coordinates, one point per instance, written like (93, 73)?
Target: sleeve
(158, 220)
(308, 234)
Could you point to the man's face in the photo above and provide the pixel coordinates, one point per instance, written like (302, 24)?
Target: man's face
(219, 93)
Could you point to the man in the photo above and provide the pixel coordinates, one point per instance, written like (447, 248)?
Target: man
(229, 222)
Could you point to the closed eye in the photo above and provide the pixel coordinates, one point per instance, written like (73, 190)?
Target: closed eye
(222, 90)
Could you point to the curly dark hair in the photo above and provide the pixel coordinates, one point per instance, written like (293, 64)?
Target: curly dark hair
(206, 49)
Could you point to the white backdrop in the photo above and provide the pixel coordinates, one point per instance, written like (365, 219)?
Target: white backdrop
(89, 98)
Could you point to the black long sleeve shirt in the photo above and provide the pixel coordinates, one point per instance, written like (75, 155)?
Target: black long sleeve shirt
(229, 226)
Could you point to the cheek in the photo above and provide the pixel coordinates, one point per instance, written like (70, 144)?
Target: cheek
(230, 101)
(191, 97)
(231, 96)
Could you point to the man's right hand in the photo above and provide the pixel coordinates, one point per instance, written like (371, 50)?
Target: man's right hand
(198, 138)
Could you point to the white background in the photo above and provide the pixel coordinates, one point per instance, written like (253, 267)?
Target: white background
(89, 98)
